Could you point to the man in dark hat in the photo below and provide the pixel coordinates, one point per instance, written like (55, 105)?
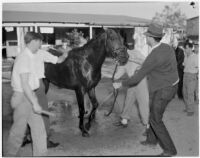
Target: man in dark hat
(160, 67)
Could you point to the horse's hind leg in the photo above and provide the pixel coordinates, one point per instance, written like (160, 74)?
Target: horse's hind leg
(80, 100)
(95, 105)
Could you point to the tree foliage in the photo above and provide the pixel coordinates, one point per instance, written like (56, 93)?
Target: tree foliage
(171, 16)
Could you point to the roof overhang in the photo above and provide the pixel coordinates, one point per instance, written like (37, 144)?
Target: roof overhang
(68, 19)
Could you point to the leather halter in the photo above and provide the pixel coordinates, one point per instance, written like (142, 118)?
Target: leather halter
(114, 52)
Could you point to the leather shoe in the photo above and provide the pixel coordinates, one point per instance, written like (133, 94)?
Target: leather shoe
(120, 124)
(26, 141)
(167, 154)
(145, 133)
(51, 144)
(185, 110)
(148, 143)
(190, 113)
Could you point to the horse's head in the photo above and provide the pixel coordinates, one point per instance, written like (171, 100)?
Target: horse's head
(115, 47)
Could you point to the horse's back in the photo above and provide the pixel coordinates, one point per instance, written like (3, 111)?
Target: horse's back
(62, 74)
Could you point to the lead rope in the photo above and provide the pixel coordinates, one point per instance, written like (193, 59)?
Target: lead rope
(115, 92)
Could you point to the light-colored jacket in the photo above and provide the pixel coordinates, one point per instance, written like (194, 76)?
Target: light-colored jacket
(135, 61)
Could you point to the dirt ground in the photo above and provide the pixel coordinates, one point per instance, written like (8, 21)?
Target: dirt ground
(105, 138)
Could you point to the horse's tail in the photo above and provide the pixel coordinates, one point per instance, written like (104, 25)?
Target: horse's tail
(46, 84)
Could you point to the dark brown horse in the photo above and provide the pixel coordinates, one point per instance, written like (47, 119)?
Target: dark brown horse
(81, 71)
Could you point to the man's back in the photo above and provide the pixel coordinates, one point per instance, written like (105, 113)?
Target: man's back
(164, 72)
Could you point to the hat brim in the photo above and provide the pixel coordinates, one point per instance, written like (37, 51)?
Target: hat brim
(152, 35)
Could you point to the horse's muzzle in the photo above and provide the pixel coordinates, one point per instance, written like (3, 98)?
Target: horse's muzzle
(122, 58)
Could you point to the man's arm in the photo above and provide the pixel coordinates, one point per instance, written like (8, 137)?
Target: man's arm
(64, 56)
(49, 58)
(149, 64)
(29, 93)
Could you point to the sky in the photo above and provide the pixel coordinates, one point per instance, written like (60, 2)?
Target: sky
(142, 9)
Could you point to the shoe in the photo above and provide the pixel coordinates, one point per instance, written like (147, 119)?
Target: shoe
(148, 143)
(51, 144)
(190, 113)
(26, 141)
(184, 110)
(167, 154)
(145, 133)
(180, 97)
(120, 124)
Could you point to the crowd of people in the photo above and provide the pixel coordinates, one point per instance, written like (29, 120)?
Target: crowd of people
(152, 83)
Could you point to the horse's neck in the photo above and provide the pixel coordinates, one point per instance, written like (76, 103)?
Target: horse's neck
(98, 55)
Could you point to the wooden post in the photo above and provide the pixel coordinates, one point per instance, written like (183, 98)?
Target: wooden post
(90, 32)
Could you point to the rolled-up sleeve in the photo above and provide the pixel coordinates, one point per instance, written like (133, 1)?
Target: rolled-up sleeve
(49, 58)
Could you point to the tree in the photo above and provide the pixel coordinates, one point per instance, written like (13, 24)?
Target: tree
(171, 16)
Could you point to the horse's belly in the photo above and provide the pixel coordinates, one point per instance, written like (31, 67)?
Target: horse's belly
(60, 77)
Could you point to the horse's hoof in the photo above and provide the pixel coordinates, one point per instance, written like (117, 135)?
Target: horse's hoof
(87, 126)
(85, 134)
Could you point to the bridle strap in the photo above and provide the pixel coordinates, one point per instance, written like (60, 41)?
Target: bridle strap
(115, 92)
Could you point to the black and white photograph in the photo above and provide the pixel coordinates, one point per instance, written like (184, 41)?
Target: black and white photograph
(100, 78)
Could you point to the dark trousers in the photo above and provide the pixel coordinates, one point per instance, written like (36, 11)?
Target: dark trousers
(157, 131)
(42, 99)
(180, 84)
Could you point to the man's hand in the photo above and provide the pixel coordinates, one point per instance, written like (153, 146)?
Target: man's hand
(137, 69)
(37, 108)
(62, 57)
(65, 54)
(117, 85)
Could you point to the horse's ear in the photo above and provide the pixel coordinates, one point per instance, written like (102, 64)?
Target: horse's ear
(105, 28)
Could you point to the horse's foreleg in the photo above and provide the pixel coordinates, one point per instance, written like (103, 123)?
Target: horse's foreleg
(80, 100)
(95, 105)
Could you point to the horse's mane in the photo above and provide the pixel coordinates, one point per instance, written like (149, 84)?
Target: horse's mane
(77, 50)
(93, 39)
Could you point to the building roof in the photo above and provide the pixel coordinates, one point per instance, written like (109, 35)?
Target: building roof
(192, 28)
(196, 17)
(91, 19)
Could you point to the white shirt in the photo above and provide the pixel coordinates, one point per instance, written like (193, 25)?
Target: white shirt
(155, 46)
(24, 63)
(43, 56)
(191, 63)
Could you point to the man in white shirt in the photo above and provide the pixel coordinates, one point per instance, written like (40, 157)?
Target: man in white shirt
(190, 78)
(139, 94)
(40, 57)
(24, 101)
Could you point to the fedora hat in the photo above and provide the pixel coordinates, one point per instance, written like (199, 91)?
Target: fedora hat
(154, 30)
